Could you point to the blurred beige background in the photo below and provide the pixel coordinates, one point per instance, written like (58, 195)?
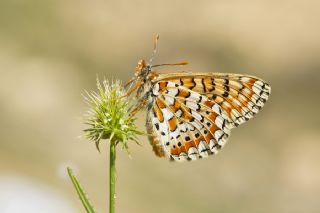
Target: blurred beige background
(51, 51)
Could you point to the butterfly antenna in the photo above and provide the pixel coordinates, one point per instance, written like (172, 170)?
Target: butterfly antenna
(176, 64)
(155, 47)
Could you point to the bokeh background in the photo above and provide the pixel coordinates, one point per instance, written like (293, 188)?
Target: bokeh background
(52, 50)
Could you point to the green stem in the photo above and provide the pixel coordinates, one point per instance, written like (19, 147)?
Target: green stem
(112, 176)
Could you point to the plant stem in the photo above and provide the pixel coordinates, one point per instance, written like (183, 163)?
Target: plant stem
(112, 176)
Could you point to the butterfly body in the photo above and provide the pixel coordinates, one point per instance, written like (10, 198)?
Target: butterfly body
(190, 114)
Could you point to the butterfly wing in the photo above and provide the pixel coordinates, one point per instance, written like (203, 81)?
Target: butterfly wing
(192, 114)
(240, 96)
(185, 125)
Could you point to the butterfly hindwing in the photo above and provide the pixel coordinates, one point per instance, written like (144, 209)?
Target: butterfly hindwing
(185, 125)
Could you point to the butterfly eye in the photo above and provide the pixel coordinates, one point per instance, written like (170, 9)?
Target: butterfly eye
(141, 65)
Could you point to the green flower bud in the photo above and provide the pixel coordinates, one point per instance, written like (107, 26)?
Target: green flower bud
(108, 116)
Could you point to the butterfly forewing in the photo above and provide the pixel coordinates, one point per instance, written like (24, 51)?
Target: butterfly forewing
(240, 96)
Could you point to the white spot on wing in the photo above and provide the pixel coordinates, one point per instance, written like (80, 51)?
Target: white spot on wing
(194, 96)
(217, 135)
(190, 127)
(212, 146)
(183, 156)
(182, 127)
(256, 89)
(203, 149)
(178, 113)
(258, 83)
(167, 114)
(193, 153)
(171, 84)
(216, 108)
(173, 92)
(219, 121)
(192, 105)
(196, 115)
(169, 100)
(175, 133)
(175, 157)
(264, 95)
(155, 89)
(197, 125)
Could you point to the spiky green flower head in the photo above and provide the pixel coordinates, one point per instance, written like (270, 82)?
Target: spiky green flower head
(108, 116)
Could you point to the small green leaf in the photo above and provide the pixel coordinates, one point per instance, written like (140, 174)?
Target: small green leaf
(82, 195)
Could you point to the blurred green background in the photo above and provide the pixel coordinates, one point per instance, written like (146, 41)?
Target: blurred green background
(52, 50)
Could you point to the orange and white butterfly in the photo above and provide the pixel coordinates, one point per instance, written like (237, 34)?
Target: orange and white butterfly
(190, 115)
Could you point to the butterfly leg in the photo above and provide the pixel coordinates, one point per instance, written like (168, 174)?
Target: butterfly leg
(136, 87)
(129, 82)
(138, 107)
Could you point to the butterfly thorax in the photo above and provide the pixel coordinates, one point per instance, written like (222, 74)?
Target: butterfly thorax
(144, 76)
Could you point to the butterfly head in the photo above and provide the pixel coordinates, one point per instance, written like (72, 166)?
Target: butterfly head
(142, 69)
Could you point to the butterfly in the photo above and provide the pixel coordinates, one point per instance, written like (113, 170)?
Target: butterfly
(190, 114)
